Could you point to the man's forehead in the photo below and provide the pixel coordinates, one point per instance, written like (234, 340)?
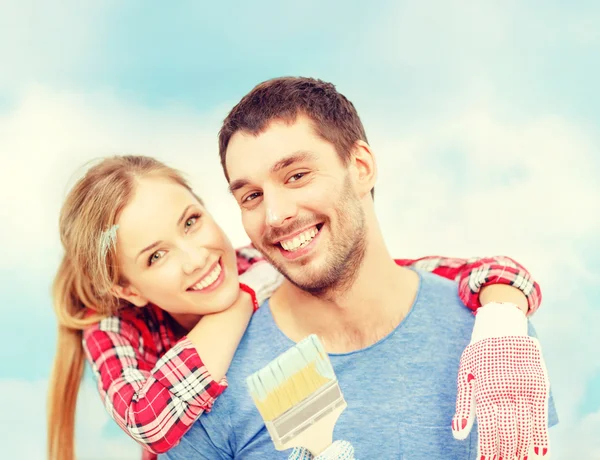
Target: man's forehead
(280, 144)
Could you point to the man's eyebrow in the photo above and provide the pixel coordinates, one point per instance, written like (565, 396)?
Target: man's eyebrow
(157, 243)
(296, 157)
(237, 184)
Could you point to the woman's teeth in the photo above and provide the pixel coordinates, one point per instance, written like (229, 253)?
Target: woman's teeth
(208, 279)
(300, 240)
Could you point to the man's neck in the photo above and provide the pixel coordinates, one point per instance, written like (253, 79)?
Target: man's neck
(378, 300)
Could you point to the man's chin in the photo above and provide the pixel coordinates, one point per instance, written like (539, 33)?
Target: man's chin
(312, 283)
(307, 274)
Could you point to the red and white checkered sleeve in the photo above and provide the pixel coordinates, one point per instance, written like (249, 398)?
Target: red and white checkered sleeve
(154, 400)
(246, 257)
(474, 274)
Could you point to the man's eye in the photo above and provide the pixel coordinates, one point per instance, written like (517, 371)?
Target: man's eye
(296, 177)
(156, 256)
(251, 197)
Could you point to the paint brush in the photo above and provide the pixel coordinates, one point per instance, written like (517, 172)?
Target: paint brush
(299, 397)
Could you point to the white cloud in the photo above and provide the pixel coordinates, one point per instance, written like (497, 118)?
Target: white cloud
(471, 39)
(578, 440)
(492, 184)
(48, 138)
(51, 42)
(23, 424)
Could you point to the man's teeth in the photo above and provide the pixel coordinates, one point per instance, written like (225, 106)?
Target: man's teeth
(300, 240)
(208, 279)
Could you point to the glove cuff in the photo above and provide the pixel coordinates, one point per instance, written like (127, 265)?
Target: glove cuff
(339, 450)
(498, 320)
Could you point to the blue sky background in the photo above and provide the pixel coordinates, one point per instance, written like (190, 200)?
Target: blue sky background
(484, 116)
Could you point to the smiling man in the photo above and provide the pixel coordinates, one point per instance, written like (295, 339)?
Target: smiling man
(306, 221)
(298, 163)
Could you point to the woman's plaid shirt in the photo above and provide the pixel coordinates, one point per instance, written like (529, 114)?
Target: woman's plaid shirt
(153, 382)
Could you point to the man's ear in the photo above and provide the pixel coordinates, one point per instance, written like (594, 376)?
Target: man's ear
(131, 294)
(365, 167)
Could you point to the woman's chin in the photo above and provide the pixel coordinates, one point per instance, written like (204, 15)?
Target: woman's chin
(225, 299)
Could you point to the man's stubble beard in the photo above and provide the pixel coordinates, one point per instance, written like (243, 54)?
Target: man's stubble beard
(346, 254)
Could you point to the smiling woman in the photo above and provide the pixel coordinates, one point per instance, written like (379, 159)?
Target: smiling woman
(173, 254)
(136, 236)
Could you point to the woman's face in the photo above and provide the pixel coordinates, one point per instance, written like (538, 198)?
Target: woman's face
(173, 254)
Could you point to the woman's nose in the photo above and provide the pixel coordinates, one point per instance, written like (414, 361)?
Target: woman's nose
(194, 258)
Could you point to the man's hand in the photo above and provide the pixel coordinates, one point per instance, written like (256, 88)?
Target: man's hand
(339, 450)
(502, 380)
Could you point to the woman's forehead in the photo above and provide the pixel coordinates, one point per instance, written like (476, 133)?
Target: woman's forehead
(154, 212)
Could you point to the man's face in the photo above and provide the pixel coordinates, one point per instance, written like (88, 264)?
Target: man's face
(299, 206)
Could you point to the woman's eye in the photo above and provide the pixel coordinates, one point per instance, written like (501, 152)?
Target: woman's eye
(155, 257)
(191, 221)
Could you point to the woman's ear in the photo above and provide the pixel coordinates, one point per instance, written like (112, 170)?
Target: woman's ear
(131, 294)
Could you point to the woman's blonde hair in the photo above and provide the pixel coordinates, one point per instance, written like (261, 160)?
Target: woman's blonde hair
(82, 290)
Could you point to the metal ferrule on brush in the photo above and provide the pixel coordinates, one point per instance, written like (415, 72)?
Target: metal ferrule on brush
(299, 418)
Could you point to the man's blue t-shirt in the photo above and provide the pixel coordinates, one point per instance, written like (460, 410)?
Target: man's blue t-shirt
(401, 391)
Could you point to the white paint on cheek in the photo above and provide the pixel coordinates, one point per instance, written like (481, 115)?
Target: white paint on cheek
(271, 215)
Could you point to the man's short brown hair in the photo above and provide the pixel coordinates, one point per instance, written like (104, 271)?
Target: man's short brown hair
(334, 117)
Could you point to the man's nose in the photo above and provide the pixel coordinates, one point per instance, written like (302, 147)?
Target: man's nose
(278, 208)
